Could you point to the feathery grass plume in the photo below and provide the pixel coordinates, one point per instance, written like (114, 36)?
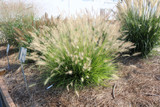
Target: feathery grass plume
(140, 23)
(46, 21)
(78, 51)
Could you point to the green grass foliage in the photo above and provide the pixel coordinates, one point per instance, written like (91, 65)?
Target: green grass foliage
(140, 23)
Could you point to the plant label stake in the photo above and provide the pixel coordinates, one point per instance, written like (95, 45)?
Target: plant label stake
(7, 51)
(22, 57)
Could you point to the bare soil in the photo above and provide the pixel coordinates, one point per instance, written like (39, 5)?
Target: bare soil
(138, 86)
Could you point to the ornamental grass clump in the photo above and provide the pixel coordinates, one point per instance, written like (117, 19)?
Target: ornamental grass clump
(77, 52)
(140, 23)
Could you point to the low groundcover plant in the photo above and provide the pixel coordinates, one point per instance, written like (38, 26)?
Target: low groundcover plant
(77, 52)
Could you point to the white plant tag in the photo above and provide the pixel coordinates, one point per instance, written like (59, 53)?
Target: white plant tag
(8, 46)
(22, 55)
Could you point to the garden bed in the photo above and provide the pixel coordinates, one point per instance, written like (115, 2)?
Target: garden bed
(80, 54)
(138, 86)
(5, 99)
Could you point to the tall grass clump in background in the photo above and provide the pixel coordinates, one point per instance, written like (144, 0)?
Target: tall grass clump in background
(140, 22)
(15, 15)
(77, 52)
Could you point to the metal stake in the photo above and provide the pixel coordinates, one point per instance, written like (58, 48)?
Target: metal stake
(8, 62)
(7, 51)
(25, 80)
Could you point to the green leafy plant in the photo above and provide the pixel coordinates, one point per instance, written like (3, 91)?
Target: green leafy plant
(140, 22)
(77, 52)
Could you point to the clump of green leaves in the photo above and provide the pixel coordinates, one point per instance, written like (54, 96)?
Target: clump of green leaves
(140, 20)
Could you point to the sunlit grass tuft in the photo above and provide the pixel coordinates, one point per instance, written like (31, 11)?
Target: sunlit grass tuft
(77, 52)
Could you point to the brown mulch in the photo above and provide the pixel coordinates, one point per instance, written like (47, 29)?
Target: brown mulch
(138, 86)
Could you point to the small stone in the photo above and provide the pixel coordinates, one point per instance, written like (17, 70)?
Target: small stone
(133, 66)
(115, 77)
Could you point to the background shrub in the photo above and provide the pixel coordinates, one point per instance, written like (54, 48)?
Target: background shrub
(23, 35)
(9, 30)
(16, 15)
(77, 52)
(140, 22)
